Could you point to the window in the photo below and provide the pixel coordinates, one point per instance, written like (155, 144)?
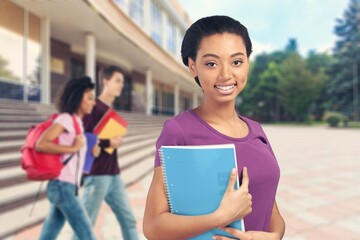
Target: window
(11, 42)
(156, 22)
(185, 104)
(124, 5)
(137, 11)
(171, 37)
(168, 103)
(20, 53)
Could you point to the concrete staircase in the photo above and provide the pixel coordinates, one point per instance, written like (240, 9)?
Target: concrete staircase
(136, 158)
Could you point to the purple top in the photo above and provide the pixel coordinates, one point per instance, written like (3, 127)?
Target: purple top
(253, 151)
(105, 163)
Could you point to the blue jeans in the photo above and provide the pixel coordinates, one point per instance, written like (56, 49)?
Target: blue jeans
(111, 189)
(65, 206)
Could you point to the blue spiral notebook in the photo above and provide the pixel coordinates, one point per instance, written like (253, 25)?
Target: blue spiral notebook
(196, 178)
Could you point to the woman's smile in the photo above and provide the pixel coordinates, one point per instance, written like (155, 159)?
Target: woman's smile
(225, 89)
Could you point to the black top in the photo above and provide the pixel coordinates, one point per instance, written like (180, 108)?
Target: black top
(105, 163)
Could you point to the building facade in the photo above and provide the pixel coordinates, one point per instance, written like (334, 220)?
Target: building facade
(45, 43)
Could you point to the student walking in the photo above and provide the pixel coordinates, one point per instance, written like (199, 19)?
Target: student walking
(76, 99)
(104, 182)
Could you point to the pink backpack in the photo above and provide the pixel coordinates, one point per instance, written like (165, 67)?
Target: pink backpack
(37, 165)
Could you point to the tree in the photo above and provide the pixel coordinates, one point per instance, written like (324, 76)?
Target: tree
(343, 87)
(297, 88)
(292, 46)
(283, 85)
(319, 65)
(252, 99)
(267, 91)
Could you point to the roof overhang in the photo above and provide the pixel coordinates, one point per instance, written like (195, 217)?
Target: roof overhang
(118, 39)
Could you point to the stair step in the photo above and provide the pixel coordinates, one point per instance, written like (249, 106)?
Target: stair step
(25, 112)
(19, 218)
(10, 194)
(7, 144)
(132, 175)
(10, 155)
(14, 126)
(15, 118)
(129, 161)
(135, 156)
(10, 172)
(14, 156)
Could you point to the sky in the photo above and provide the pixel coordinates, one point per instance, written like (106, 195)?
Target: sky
(271, 23)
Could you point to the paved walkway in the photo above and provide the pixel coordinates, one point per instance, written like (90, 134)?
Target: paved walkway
(318, 195)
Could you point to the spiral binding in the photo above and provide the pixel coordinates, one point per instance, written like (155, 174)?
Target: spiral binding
(163, 168)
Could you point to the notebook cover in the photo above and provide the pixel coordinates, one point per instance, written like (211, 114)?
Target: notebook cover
(91, 140)
(109, 126)
(196, 178)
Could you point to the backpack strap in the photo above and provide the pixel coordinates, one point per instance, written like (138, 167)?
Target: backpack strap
(76, 125)
(77, 132)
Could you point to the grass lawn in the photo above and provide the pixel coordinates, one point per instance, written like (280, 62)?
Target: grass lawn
(354, 124)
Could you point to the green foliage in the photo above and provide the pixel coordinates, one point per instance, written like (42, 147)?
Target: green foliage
(297, 89)
(319, 65)
(334, 118)
(346, 52)
(258, 96)
(292, 46)
(284, 86)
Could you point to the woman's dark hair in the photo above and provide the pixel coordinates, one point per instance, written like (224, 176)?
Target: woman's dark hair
(72, 93)
(208, 26)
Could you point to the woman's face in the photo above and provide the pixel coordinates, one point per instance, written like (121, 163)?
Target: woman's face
(222, 67)
(88, 102)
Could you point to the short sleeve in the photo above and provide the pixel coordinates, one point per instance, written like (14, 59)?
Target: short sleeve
(267, 140)
(171, 135)
(66, 121)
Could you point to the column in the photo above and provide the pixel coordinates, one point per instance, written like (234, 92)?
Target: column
(149, 92)
(176, 99)
(45, 60)
(25, 49)
(195, 101)
(90, 56)
(147, 17)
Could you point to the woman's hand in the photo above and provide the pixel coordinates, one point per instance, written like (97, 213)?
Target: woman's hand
(250, 235)
(236, 203)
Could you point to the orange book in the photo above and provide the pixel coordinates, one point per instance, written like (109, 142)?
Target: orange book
(111, 125)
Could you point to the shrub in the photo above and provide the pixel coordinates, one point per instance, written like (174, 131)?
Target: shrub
(334, 118)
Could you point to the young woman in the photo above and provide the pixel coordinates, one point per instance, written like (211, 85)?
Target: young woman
(216, 50)
(76, 99)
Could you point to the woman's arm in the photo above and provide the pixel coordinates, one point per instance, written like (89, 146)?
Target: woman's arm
(277, 223)
(276, 229)
(46, 142)
(159, 222)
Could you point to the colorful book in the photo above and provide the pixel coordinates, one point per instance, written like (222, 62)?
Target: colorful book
(91, 140)
(109, 126)
(196, 178)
